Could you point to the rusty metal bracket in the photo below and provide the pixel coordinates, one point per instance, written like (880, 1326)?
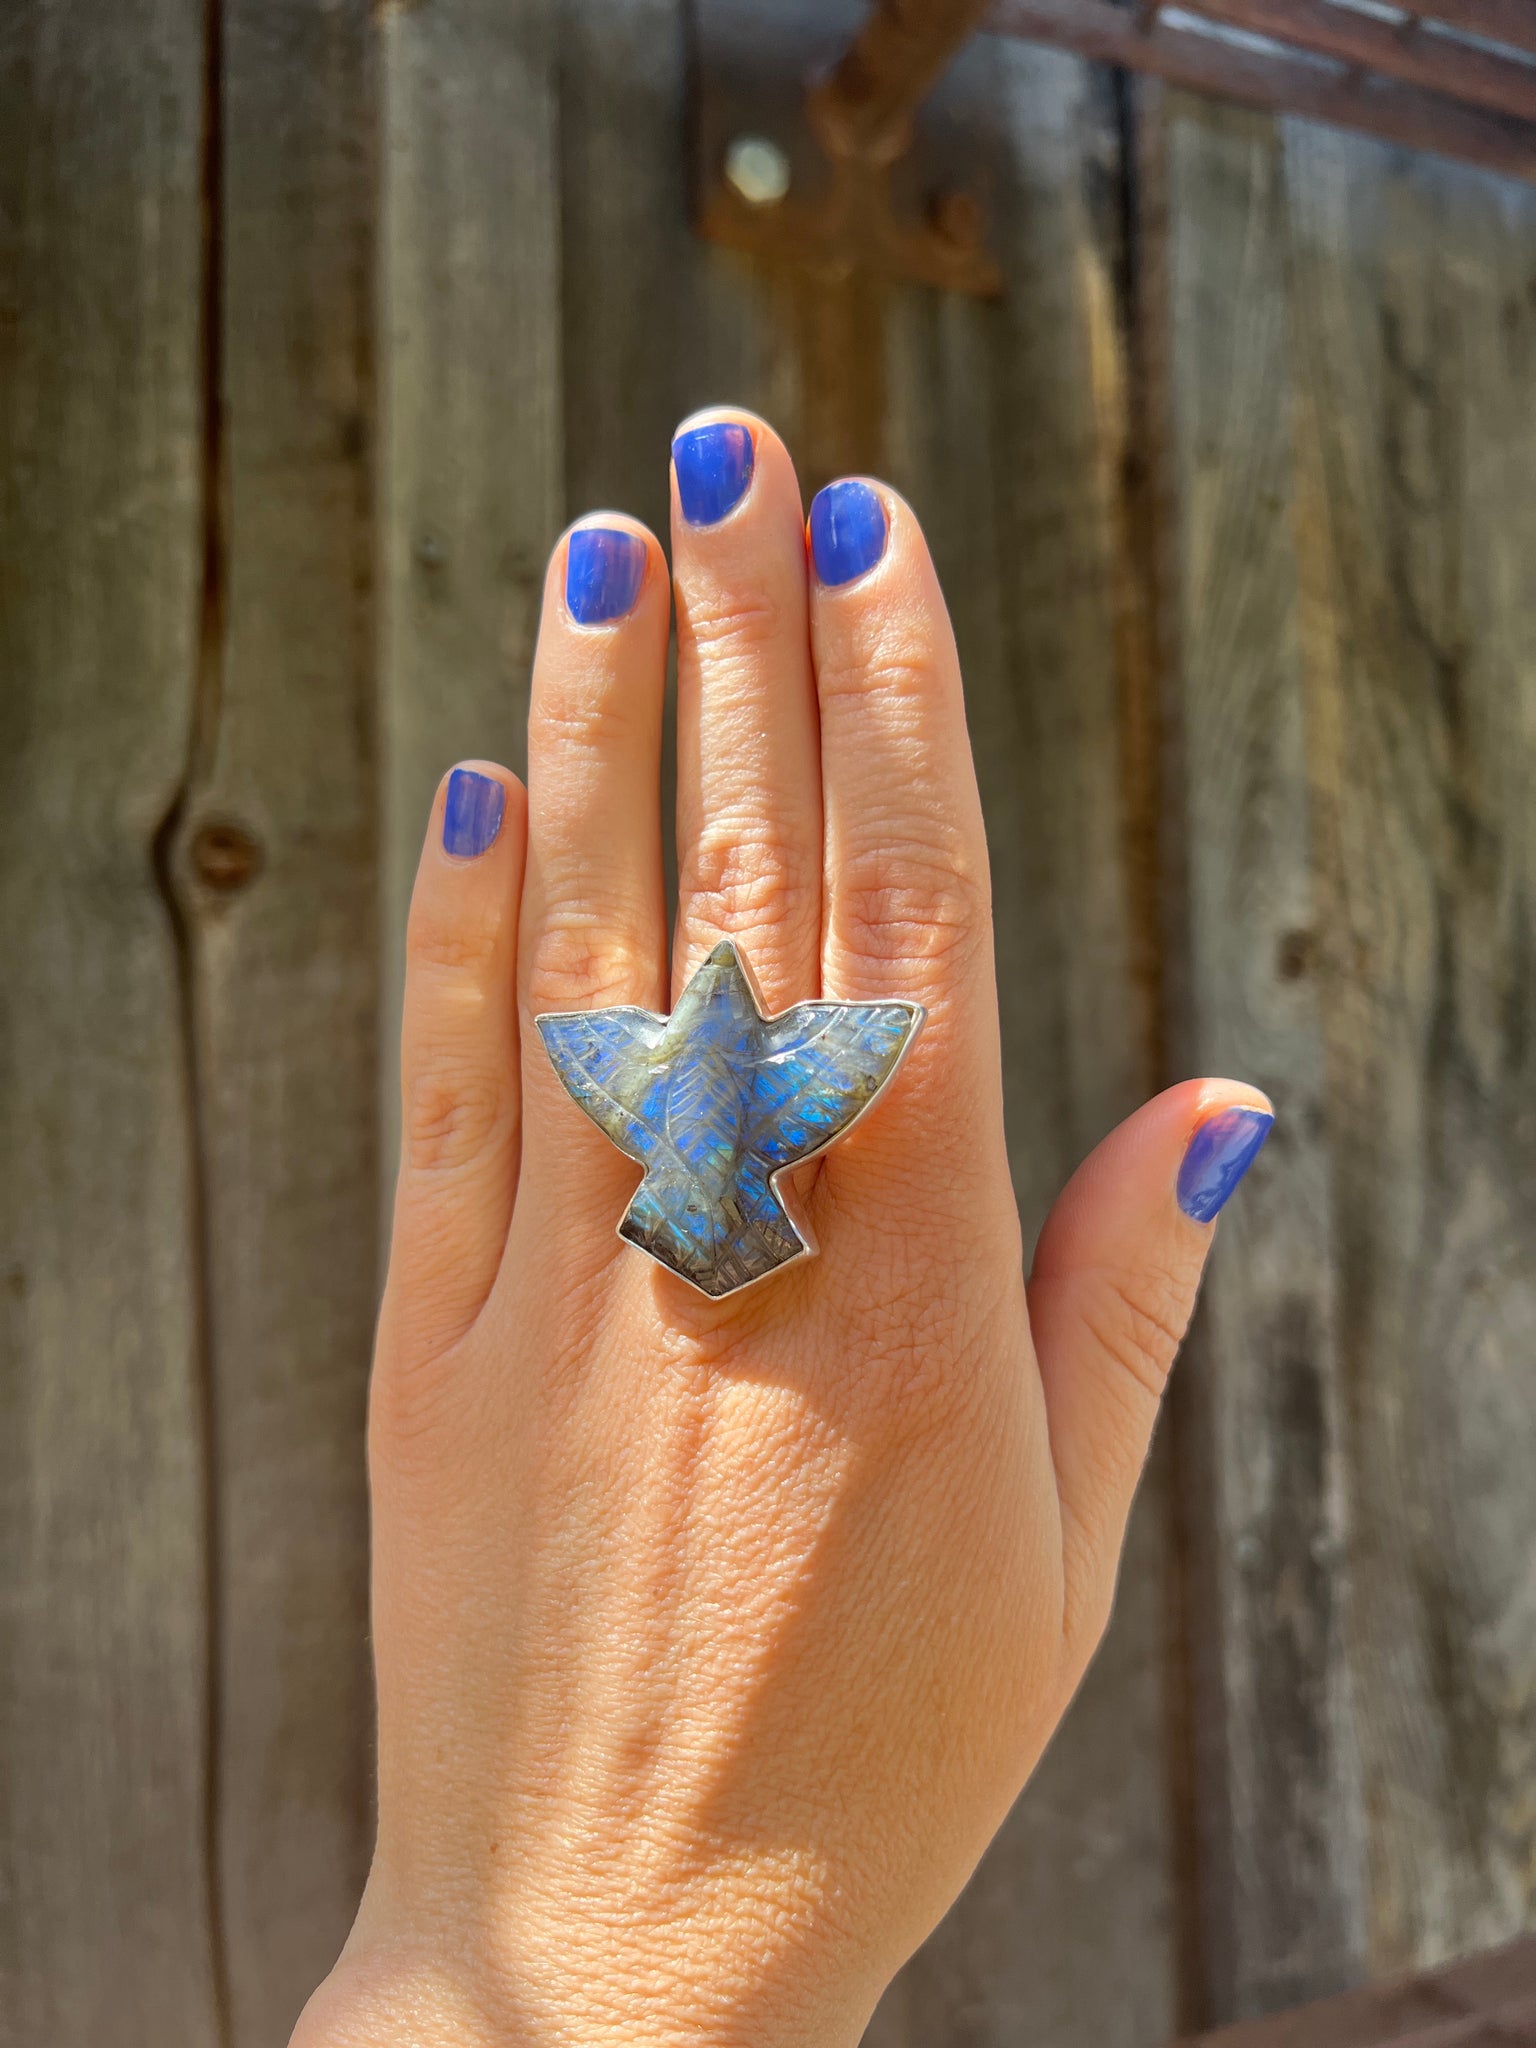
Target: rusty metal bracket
(825, 137)
(829, 135)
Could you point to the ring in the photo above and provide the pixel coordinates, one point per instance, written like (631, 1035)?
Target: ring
(717, 1102)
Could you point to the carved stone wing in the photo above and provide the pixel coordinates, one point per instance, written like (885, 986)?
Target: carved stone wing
(604, 1058)
(821, 1065)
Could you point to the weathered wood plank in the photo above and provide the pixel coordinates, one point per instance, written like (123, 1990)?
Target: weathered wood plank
(285, 978)
(107, 1928)
(1258, 1398)
(1414, 319)
(1356, 336)
(637, 359)
(1007, 427)
(470, 377)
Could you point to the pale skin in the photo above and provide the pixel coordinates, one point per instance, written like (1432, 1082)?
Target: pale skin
(715, 1638)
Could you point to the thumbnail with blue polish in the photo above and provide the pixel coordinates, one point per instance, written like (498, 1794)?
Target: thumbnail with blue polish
(604, 568)
(847, 531)
(716, 1099)
(1218, 1155)
(714, 468)
(472, 813)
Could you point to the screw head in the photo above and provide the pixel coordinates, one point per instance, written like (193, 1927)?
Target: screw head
(757, 170)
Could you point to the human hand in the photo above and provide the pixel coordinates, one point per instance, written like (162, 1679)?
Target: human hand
(715, 1637)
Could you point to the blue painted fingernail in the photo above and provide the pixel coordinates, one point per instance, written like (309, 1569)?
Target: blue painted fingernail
(472, 813)
(1216, 1158)
(714, 467)
(847, 530)
(604, 567)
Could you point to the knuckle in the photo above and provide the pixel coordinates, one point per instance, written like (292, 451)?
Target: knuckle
(729, 620)
(575, 963)
(452, 1112)
(1138, 1321)
(747, 878)
(897, 664)
(919, 905)
(464, 942)
(577, 714)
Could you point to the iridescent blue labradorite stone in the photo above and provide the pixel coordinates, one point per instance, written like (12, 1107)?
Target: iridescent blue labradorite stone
(716, 1100)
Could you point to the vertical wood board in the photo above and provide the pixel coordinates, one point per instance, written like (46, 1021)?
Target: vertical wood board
(1412, 293)
(1355, 452)
(107, 1927)
(1281, 1821)
(470, 380)
(285, 978)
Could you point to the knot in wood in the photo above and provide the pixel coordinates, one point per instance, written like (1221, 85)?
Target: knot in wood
(225, 855)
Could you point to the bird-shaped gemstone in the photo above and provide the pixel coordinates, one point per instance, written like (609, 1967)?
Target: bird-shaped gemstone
(717, 1100)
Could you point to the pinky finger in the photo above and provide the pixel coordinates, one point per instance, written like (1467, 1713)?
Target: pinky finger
(460, 1099)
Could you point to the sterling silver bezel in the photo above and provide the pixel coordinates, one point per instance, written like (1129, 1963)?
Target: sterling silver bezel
(779, 1180)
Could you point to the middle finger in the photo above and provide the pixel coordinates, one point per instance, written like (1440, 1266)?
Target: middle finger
(748, 744)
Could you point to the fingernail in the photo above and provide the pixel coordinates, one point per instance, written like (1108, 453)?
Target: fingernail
(714, 468)
(847, 530)
(1218, 1155)
(472, 813)
(604, 567)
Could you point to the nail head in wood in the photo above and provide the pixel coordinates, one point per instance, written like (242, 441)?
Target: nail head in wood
(757, 170)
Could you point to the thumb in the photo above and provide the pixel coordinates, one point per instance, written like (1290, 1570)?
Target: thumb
(1115, 1276)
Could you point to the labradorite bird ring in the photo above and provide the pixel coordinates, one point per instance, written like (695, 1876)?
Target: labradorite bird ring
(718, 1102)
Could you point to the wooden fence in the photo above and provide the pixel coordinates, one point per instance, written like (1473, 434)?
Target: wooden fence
(316, 322)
